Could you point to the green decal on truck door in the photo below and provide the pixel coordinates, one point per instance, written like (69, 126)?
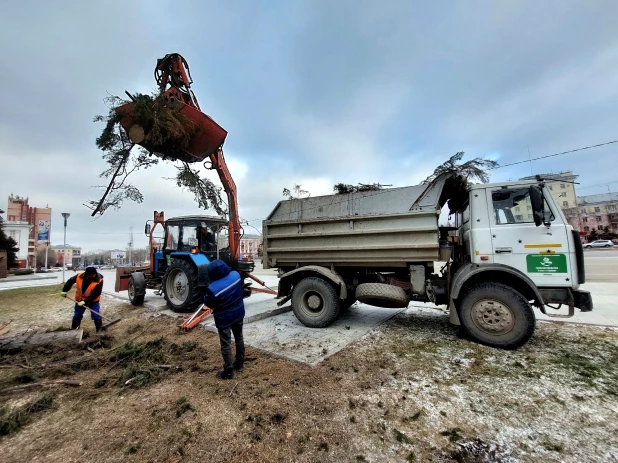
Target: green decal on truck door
(546, 263)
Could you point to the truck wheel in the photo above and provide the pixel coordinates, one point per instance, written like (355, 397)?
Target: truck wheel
(381, 295)
(137, 288)
(496, 315)
(180, 286)
(315, 302)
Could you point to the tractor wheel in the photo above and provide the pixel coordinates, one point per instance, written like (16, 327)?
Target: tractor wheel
(137, 288)
(180, 286)
(315, 302)
(496, 315)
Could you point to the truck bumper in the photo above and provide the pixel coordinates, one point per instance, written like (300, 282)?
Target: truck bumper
(582, 300)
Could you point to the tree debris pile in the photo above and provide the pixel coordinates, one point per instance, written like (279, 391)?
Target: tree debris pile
(166, 135)
(343, 188)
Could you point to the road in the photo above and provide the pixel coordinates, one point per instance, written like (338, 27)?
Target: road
(601, 265)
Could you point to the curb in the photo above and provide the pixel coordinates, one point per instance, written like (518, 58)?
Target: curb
(13, 279)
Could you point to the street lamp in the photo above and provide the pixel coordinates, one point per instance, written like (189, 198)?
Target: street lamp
(65, 215)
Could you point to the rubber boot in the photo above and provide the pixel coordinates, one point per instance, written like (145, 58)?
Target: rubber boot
(226, 373)
(239, 364)
(98, 325)
(75, 324)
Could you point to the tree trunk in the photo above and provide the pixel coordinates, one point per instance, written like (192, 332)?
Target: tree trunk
(25, 340)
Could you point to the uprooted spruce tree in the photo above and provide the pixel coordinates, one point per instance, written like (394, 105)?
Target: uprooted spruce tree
(474, 169)
(167, 134)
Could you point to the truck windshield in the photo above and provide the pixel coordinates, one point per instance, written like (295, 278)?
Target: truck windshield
(513, 206)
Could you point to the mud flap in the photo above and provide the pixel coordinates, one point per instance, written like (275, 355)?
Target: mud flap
(453, 315)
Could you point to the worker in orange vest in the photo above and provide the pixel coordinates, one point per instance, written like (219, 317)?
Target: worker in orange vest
(88, 287)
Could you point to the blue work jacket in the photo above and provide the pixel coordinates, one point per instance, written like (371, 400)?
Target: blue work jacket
(224, 295)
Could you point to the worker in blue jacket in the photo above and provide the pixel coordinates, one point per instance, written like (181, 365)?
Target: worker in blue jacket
(224, 296)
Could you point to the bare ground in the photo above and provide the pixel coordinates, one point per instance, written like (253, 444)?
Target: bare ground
(413, 390)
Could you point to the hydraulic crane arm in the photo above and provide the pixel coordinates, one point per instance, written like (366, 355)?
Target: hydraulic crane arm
(173, 71)
(218, 163)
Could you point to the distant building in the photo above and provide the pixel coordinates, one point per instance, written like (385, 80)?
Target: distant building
(599, 212)
(72, 255)
(562, 189)
(27, 226)
(249, 245)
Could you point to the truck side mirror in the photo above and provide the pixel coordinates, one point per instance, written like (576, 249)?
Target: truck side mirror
(538, 206)
(147, 229)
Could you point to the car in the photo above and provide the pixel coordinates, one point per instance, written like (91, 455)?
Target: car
(599, 244)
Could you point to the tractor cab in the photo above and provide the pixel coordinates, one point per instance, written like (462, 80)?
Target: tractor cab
(179, 258)
(184, 237)
(193, 234)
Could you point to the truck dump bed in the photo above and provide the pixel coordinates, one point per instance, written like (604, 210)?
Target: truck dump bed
(384, 228)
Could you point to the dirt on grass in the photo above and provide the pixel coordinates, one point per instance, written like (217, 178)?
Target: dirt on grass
(413, 390)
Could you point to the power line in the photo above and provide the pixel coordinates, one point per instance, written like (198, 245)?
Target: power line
(598, 184)
(552, 155)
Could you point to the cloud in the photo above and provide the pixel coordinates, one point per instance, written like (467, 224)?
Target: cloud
(311, 92)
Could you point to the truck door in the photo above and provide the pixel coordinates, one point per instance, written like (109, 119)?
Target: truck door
(541, 252)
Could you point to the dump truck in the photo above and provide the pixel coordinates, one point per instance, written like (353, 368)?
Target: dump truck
(507, 248)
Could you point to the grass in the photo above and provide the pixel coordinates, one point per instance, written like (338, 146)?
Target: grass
(183, 406)
(285, 411)
(13, 421)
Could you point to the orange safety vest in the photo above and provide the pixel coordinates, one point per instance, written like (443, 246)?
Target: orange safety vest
(80, 294)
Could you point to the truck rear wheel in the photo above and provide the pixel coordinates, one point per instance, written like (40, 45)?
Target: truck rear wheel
(382, 295)
(315, 302)
(496, 315)
(180, 286)
(137, 288)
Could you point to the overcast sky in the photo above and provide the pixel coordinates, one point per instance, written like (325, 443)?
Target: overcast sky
(311, 92)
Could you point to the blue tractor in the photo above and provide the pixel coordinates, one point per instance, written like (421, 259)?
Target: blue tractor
(178, 267)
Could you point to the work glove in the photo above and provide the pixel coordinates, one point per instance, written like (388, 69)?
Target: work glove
(63, 294)
(81, 303)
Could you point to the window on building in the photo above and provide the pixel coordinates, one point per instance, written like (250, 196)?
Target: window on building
(600, 227)
(586, 228)
(583, 210)
(597, 209)
(562, 186)
(598, 217)
(517, 209)
(565, 203)
(519, 218)
(529, 208)
(585, 219)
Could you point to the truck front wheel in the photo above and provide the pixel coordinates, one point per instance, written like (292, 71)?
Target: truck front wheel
(315, 302)
(496, 315)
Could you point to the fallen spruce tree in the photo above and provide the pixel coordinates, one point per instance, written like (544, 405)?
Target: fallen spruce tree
(165, 137)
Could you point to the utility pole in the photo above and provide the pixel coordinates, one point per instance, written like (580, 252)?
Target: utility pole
(46, 251)
(131, 247)
(65, 215)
